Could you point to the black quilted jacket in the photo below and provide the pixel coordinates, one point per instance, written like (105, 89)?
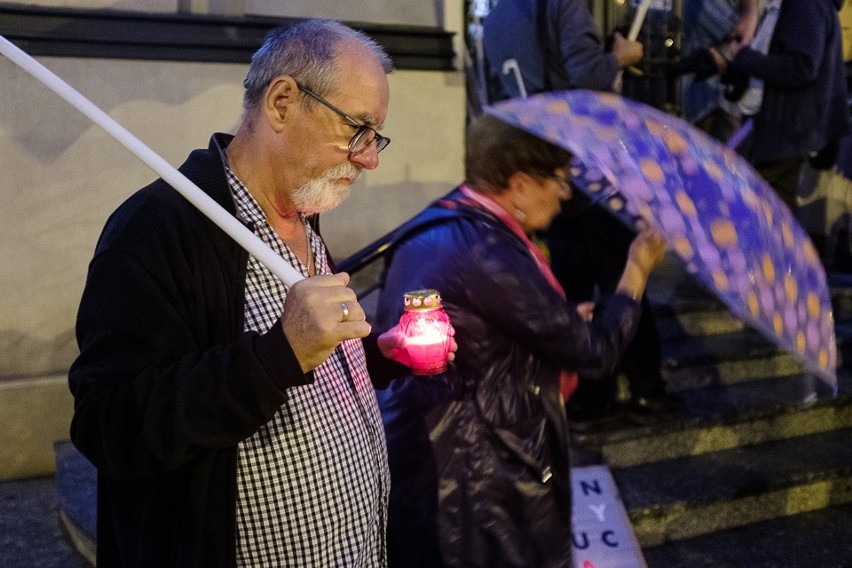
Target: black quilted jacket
(479, 456)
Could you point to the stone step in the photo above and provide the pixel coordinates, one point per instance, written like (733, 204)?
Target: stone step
(723, 417)
(76, 490)
(674, 291)
(692, 362)
(696, 322)
(31, 535)
(705, 344)
(816, 538)
(688, 497)
(840, 287)
(701, 314)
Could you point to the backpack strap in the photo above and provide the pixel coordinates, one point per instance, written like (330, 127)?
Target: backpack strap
(442, 210)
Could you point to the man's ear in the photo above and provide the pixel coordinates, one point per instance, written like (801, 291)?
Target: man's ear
(278, 102)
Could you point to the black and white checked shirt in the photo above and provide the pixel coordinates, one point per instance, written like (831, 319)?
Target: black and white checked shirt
(312, 484)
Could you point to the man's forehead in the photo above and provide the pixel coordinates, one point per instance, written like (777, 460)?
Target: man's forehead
(363, 85)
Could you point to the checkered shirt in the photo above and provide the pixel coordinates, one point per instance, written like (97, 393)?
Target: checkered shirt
(312, 484)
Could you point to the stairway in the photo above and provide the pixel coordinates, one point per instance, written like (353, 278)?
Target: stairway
(756, 468)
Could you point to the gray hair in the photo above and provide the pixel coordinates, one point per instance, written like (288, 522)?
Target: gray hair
(306, 51)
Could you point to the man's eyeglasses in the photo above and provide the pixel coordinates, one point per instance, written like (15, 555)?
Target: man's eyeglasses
(364, 134)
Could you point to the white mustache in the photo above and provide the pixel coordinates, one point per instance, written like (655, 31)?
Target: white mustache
(347, 170)
(326, 192)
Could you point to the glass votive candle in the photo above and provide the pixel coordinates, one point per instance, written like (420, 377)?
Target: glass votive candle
(426, 327)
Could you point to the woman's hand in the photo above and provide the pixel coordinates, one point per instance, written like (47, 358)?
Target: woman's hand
(646, 252)
(392, 345)
(586, 311)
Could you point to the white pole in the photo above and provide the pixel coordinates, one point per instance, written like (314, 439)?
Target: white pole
(169, 173)
(632, 34)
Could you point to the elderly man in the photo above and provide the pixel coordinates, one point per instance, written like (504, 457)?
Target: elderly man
(232, 420)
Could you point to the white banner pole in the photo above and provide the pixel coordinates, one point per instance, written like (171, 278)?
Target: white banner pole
(632, 34)
(169, 173)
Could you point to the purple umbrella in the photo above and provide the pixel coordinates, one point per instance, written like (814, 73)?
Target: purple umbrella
(715, 212)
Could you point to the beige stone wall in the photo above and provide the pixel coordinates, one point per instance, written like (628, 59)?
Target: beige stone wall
(62, 176)
(395, 12)
(421, 12)
(151, 6)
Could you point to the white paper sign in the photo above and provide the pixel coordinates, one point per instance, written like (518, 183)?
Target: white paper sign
(602, 533)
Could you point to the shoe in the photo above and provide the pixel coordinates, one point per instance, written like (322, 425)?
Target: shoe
(654, 408)
(584, 419)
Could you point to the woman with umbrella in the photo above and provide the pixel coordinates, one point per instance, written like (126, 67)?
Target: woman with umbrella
(479, 455)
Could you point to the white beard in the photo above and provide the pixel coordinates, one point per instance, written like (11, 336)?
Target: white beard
(325, 192)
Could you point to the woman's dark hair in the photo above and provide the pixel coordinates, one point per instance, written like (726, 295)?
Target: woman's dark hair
(495, 150)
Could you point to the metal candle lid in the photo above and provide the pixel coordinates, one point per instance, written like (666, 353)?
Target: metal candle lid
(427, 299)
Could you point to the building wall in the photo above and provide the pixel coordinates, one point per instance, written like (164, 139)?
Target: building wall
(164, 6)
(62, 176)
(406, 12)
(428, 13)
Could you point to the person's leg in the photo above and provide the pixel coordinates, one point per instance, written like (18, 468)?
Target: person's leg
(719, 124)
(642, 365)
(641, 362)
(783, 176)
(570, 240)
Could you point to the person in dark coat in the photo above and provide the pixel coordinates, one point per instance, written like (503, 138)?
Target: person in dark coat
(555, 44)
(804, 110)
(479, 456)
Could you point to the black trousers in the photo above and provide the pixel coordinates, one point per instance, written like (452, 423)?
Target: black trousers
(588, 248)
(783, 176)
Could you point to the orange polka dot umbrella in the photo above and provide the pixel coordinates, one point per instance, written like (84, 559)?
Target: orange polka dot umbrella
(719, 216)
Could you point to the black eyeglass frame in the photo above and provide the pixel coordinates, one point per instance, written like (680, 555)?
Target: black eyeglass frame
(362, 129)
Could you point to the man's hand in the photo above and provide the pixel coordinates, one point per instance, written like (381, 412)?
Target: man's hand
(746, 26)
(314, 321)
(625, 51)
(718, 60)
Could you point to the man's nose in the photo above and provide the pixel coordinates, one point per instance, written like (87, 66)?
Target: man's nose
(368, 158)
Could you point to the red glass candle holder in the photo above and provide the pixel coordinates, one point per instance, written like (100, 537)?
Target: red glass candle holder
(426, 327)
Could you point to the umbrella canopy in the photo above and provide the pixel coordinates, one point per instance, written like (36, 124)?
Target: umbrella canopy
(718, 215)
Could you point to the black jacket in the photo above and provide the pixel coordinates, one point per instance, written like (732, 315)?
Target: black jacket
(479, 456)
(167, 382)
(804, 105)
